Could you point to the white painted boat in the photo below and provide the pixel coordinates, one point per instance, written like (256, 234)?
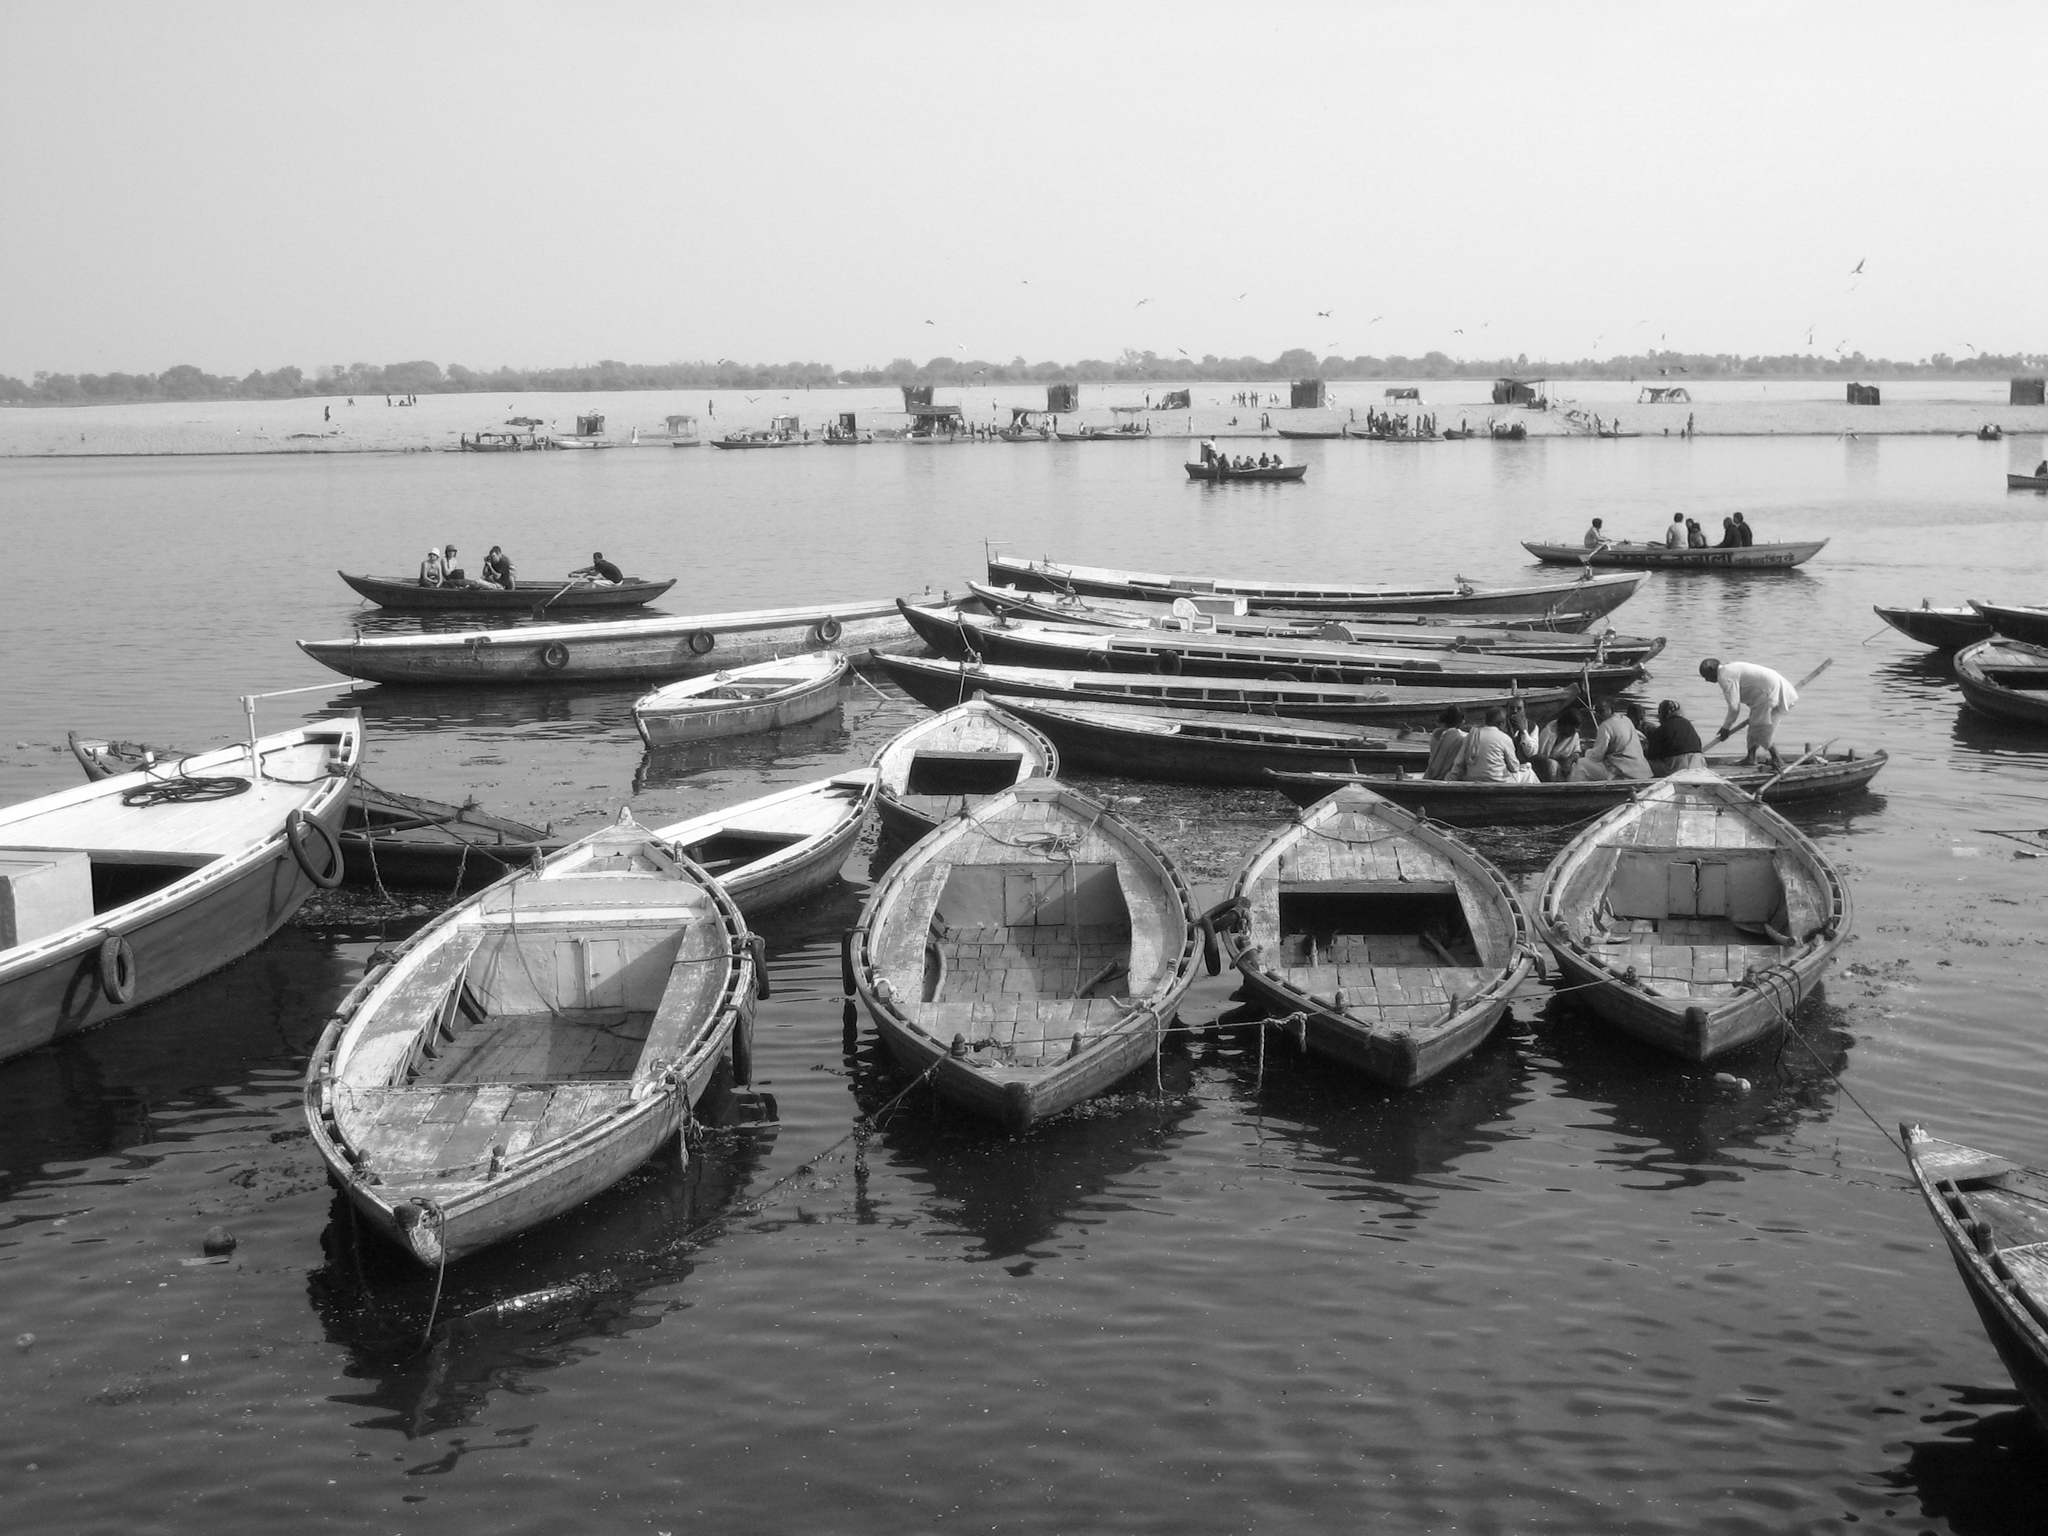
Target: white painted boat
(621, 649)
(782, 847)
(127, 888)
(940, 767)
(531, 1047)
(741, 701)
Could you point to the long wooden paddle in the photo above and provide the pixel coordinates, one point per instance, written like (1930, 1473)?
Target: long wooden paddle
(1743, 723)
(541, 607)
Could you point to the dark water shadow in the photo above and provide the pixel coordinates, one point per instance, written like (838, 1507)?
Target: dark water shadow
(1986, 1474)
(397, 710)
(661, 767)
(1986, 737)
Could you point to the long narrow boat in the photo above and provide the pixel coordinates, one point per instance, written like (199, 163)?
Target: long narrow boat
(1395, 946)
(2014, 621)
(1298, 434)
(1660, 557)
(1217, 474)
(1027, 955)
(120, 892)
(1227, 617)
(1993, 1215)
(942, 684)
(2006, 679)
(533, 1045)
(1691, 917)
(522, 597)
(1542, 805)
(620, 650)
(1590, 595)
(742, 700)
(956, 635)
(387, 838)
(1200, 746)
(1946, 629)
(761, 440)
(783, 847)
(954, 761)
(2026, 482)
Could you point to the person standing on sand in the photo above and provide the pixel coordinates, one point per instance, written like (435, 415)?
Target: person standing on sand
(327, 413)
(1765, 694)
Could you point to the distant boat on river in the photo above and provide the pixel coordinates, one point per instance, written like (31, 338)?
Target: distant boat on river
(566, 592)
(1660, 557)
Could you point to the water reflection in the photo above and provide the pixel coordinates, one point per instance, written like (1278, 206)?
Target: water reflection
(1983, 1475)
(664, 766)
(535, 712)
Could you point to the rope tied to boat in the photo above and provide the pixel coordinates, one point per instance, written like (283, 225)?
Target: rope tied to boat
(180, 788)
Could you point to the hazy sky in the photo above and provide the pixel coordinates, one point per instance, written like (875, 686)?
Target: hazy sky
(242, 186)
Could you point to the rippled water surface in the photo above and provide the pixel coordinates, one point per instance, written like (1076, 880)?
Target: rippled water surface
(1568, 1287)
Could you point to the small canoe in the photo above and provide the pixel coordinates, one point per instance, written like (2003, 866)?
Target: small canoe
(2006, 679)
(577, 592)
(942, 684)
(783, 847)
(121, 891)
(1993, 1214)
(533, 1045)
(1027, 955)
(1394, 946)
(1542, 805)
(1691, 917)
(738, 440)
(1659, 557)
(1946, 629)
(743, 700)
(2014, 621)
(610, 651)
(1296, 434)
(1216, 474)
(1103, 437)
(953, 762)
(1200, 746)
(1590, 595)
(2026, 482)
(387, 838)
(956, 635)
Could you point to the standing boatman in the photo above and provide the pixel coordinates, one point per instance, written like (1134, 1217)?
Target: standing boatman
(1767, 695)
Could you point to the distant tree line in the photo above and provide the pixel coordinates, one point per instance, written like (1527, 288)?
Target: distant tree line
(186, 382)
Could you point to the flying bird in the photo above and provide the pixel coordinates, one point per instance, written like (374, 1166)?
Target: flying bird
(1322, 314)
(1245, 294)
(1183, 351)
(1459, 331)
(931, 322)
(1141, 303)
(1376, 319)
(1857, 270)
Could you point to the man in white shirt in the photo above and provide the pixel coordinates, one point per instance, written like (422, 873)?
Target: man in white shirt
(1765, 694)
(1490, 756)
(1674, 536)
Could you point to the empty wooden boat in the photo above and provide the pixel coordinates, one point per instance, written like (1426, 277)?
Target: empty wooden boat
(616, 650)
(1946, 629)
(2006, 679)
(1200, 746)
(121, 891)
(2014, 621)
(782, 847)
(1993, 1215)
(1027, 955)
(1496, 805)
(1223, 474)
(942, 684)
(1664, 557)
(940, 767)
(742, 700)
(1691, 917)
(577, 592)
(1590, 595)
(534, 1045)
(1393, 945)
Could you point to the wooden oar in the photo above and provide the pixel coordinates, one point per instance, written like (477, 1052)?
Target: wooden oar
(1743, 724)
(542, 607)
(1821, 751)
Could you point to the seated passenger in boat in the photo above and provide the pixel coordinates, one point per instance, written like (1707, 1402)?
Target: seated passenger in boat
(1674, 744)
(1446, 742)
(1594, 537)
(452, 575)
(1616, 752)
(601, 568)
(1490, 755)
(498, 568)
(1558, 746)
(1744, 532)
(1674, 536)
(432, 572)
(1695, 535)
(1730, 539)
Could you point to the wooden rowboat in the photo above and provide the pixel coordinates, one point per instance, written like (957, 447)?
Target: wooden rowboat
(2014, 621)
(2026, 482)
(942, 684)
(743, 700)
(548, 596)
(1027, 955)
(1993, 1215)
(1217, 474)
(2006, 679)
(1298, 434)
(956, 634)
(534, 1045)
(1691, 917)
(617, 650)
(783, 847)
(1393, 946)
(1200, 746)
(953, 762)
(121, 891)
(1539, 805)
(1946, 629)
(1590, 595)
(1659, 557)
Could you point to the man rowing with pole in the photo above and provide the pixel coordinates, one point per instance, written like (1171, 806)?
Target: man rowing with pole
(1767, 695)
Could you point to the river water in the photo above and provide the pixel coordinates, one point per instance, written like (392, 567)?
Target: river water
(1570, 1286)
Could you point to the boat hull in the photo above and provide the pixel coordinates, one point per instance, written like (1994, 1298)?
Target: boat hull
(2026, 482)
(1659, 557)
(1216, 476)
(674, 726)
(1946, 629)
(1204, 748)
(800, 870)
(554, 596)
(978, 726)
(1988, 696)
(2014, 623)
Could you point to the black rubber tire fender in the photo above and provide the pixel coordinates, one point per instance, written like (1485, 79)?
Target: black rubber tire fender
(827, 630)
(758, 948)
(701, 642)
(554, 655)
(299, 830)
(116, 961)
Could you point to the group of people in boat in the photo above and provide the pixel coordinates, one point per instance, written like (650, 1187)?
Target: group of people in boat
(1240, 464)
(440, 570)
(1388, 424)
(1684, 533)
(1502, 748)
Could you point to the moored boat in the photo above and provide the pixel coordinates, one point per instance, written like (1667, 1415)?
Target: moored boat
(2014, 621)
(533, 1045)
(1393, 946)
(123, 890)
(738, 702)
(1691, 917)
(782, 847)
(616, 650)
(2007, 679)
(1218, 473)
(1200, 746)
(577, 592)
(952, 762)
(1946, 629)
(1660, 557)
(1993, 1216)
(2026, 482)
(1027, 955)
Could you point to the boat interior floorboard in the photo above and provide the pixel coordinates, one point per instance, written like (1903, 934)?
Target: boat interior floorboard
(579, 1045)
